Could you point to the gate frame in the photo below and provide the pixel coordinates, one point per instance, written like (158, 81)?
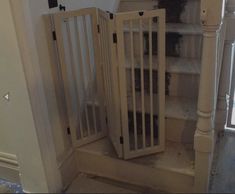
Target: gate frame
(58, 17)
(119, 19)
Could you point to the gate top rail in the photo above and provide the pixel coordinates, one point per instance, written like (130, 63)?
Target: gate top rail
(76, 13)
(144, 14)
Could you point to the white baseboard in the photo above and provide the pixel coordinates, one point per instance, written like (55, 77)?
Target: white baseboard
(9, 168)
(68, 168)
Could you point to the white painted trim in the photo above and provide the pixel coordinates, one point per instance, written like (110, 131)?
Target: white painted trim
(9, 168)
(68, 168)
(8, 158)
(30, 60)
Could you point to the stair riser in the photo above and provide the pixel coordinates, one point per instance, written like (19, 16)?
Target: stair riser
(189, 15)
(189, 46)
(180, 130)
(132, 173)
(177, 130)
(136, 5)
(181, 84)
(177, 85)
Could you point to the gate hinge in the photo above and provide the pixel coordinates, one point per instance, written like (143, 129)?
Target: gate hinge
(98, 28)
(106, 120)
(111, 16)
(114, 37)
(121, 140)
(68, 131)
(54, 35)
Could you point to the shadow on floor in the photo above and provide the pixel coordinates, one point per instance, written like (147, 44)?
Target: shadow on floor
(223, 172)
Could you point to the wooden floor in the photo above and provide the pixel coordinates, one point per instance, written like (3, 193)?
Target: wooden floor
(177, 157)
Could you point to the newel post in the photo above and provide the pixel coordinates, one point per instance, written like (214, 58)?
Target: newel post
(211, 16)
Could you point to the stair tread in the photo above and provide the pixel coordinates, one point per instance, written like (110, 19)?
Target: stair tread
(194, 29)
(181, 108)
(173, 64)
(177, 157)
(176, 107)
(181, 28)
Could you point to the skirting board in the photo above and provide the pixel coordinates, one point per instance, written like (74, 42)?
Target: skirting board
(68, 168)
(9, 168)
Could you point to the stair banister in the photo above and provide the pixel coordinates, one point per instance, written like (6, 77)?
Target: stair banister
(212, 13)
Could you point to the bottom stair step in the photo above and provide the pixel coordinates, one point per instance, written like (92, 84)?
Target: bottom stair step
(170, 171)
(89, 184)
(86, 183)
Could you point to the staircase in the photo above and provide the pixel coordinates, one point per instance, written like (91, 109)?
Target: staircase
(172, 170)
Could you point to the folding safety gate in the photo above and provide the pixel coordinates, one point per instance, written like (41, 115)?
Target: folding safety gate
(112, 79)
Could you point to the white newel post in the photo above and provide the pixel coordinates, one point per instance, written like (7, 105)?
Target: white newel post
(211, 17)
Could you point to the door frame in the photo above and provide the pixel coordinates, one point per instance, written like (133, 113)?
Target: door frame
(231, 99)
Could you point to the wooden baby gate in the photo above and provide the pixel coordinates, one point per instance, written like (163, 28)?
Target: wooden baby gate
(112, 84)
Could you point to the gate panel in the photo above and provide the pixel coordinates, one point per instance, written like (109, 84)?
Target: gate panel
(142, 82)
(108, 51)
(78, 46)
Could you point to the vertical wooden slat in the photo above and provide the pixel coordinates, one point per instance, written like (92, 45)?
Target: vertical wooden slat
(108, 61)
(133, 83)
(82, 77)
(91, 80)
(161, 78)
(151, 81)
(100, 89)
(116, 131)
(104, 63)
(81, 72)
(142, 80)
(122, 82)
(71, 54)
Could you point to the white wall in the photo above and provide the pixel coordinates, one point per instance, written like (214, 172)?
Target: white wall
(17, 131)
(106, 5)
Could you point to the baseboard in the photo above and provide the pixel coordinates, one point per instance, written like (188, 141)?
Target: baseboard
(68, 168)
(9, 168)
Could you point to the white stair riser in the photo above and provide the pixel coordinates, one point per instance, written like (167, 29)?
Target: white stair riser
(189, 46)
(191, 13)
(184, 85)
(129, 172)
(179, 85)
(136, 5)
(180, 130)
